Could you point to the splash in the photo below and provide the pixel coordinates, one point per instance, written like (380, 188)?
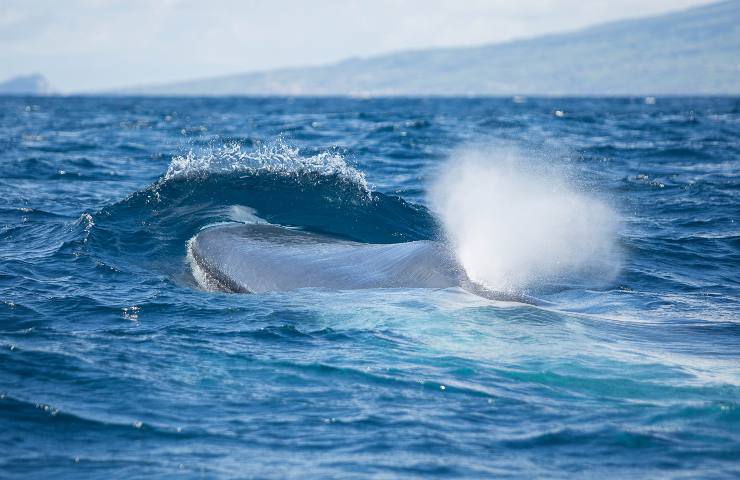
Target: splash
(275, 158)
(518, 226)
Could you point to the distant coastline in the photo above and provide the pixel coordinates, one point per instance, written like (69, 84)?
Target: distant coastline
(692, 52)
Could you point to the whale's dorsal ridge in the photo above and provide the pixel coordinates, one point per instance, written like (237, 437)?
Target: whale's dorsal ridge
(258, 258)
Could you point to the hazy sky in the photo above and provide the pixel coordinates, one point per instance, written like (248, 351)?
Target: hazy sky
(99, 44)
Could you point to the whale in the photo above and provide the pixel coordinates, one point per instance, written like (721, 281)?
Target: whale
(260, 258)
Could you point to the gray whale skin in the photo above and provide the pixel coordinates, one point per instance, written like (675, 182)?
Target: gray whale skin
(258, 258)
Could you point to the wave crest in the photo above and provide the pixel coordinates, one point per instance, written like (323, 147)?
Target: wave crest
(276, 158)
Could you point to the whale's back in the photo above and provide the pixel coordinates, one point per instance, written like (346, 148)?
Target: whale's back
(261, 258)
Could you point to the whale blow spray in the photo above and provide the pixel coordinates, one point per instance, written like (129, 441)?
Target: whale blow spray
(517, 226)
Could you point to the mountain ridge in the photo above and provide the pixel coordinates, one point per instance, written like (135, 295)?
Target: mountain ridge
(694, 51)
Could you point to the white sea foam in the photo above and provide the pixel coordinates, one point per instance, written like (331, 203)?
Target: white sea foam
(518, 225)
(275, 157)
(242, 214)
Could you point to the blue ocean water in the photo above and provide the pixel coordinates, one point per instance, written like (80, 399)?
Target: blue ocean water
(619, 216)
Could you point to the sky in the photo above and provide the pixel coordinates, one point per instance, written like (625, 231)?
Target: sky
(89, 45)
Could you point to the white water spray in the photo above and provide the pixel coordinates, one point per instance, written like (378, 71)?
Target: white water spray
(274, 157)
(517, 226)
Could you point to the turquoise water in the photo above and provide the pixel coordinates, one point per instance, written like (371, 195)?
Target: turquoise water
(618, 218)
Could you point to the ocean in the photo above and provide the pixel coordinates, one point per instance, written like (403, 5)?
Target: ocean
(609, 229)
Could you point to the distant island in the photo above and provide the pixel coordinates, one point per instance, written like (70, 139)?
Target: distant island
(690, 52)
(34, 84)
